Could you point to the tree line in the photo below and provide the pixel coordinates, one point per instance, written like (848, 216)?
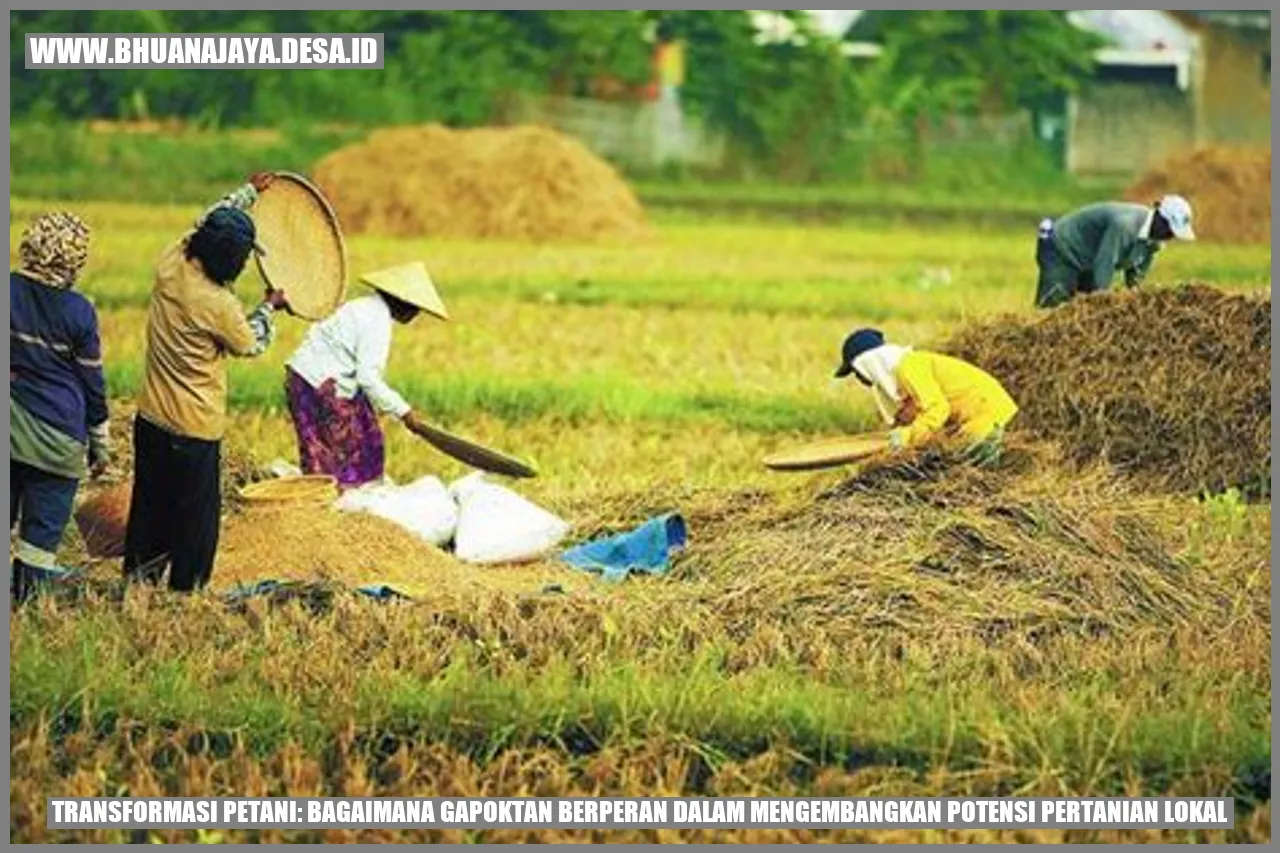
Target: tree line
(770, 95)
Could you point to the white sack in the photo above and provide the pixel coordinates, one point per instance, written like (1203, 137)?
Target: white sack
(496, 525)
(423, 507)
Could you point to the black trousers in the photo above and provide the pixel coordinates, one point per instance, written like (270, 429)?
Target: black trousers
(176, 508)
(1058, 282)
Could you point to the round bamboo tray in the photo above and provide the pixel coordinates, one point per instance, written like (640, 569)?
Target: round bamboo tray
(315, 489)
(828, 454)
(306, 256)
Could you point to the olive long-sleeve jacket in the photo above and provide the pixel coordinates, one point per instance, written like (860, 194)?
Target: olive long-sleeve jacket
(1105, 237)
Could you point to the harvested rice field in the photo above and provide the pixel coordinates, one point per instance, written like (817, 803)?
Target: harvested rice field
(1090, 617)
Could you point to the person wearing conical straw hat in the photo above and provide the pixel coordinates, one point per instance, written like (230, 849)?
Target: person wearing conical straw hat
(334, 382)
(929, 396)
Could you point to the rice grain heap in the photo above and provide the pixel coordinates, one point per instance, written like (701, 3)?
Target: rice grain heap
(352, 549)
(1229, 189)
(1171, 386)
(527, 182)
(309, 544)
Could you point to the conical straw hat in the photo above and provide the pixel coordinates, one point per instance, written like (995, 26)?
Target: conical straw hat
(413, 284)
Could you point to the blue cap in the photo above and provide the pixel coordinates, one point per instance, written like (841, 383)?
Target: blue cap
(863, 340)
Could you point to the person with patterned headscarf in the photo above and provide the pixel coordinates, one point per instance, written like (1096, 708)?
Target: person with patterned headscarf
(194, 322)
(57, 394)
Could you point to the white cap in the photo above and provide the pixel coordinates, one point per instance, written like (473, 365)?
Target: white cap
(1176, 211)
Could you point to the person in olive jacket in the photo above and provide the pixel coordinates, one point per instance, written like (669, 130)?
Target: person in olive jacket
(1083, 251)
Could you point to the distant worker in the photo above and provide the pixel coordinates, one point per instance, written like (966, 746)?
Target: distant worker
(194, 322)
(334, 382)
(57, 395)
(1082, 251)
(929, 397)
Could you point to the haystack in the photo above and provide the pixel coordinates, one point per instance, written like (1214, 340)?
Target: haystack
(1171, 386)
(1229, 189)
(524, 183)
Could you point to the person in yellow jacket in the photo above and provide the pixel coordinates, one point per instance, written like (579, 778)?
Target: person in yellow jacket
(929, 397)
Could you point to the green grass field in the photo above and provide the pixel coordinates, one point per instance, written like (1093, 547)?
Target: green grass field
(1108, 642)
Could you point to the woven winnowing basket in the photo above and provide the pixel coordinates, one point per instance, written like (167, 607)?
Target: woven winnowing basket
(830, 453)
(103, 519)
(306, 256)
(315, 489)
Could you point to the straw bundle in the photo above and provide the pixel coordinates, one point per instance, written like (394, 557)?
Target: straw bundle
(1229, 189)
(524, 182)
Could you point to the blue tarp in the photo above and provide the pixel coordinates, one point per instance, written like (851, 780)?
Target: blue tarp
(646, 550)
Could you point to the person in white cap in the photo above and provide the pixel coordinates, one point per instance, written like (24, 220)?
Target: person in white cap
(334, 382)
(1083, 251)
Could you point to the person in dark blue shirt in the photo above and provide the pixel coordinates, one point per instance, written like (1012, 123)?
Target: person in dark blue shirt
(57, 394)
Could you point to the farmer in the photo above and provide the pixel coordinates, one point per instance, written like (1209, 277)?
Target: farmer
(57, 395)
(929, 397)
(1082, 251)
(193, 323)
(334, 382)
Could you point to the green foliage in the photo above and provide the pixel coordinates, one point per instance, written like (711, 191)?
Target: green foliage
(61, 160)
(786, 103)
(449, 66)
(793, 106)
(993, 60)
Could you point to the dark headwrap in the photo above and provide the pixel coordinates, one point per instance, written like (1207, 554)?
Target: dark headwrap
(222, 243)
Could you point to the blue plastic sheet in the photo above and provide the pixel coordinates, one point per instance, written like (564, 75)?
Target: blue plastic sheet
(382, 592)
(644, 550)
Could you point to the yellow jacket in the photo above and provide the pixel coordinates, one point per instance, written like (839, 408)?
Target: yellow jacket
(950, 397)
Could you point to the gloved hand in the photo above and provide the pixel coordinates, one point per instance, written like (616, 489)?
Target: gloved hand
(99, 451)
(98, 466)
(897, 441)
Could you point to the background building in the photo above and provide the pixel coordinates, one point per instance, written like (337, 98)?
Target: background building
(1165, 81)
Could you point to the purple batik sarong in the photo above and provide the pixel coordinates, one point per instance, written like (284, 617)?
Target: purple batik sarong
(338, 437)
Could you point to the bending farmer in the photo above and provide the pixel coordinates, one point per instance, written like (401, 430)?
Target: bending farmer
(57, 395)
(928, 396)
(194, 322)
(334, 382)
(1082, 251)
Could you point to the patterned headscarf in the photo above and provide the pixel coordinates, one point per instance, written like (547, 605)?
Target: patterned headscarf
(54, 249)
